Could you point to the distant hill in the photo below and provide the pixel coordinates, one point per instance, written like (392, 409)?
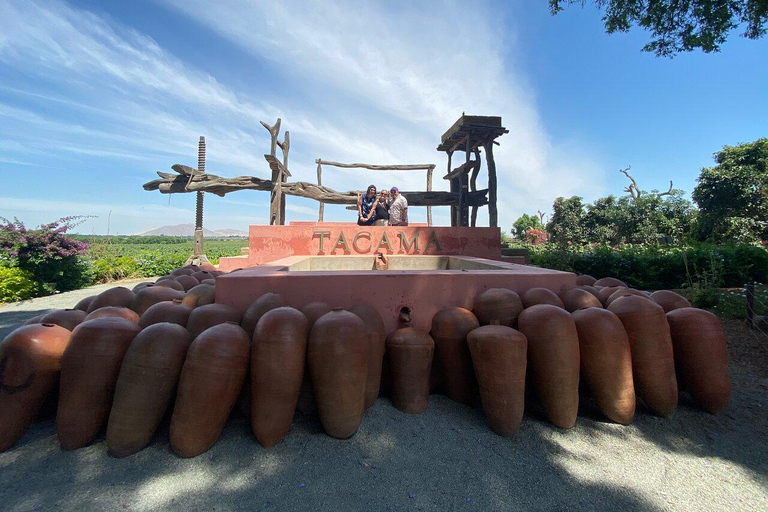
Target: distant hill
(189, 230)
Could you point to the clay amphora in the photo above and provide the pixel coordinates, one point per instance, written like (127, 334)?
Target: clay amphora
(84, 303)
(337, 353)
(213, 373)
(199, 295)
(606, 362)
(374, 326)
(604, 293)
(211, 282)
(145, 387)
(410, 354)
(450, 327)
(35, 319)
(171, 283)
(141, 286)
(172, 311)
(534, 296)
(202, 274)
(553, 361)
(626, 292)
(216, 273)
(187, 282)
(183, 271)
(89, 371)
(203, 317)
(585, 279)
(576, 298)
(30, 361)
(497, 304)
(591, 289)
(653, 365)
(257, 308)
(499, 357)
(113, 312)
(152, 294)
(610, 281)
(66, 318)
(118, 296)
(207, 267)
(701, 357)
(307, 404)
(314, 310)
(278, 353)
(670, 300)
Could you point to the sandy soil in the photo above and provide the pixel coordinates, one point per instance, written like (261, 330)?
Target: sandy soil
(443, 459)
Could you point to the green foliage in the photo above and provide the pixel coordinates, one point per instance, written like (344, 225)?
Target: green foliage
(15, 284)
(521, 225)
(733, 195)
(566, 226)
(680, 26)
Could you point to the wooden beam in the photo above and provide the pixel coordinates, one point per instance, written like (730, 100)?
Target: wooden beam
(463, 168)
(429, 189)
(276, 165)
(273, 130)
(493, 214)
(373, 167)
(186, 170)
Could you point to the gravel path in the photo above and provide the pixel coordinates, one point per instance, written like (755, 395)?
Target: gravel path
(443, 459)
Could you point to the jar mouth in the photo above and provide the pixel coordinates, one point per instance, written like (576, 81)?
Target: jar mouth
(48, 325)
(337, 309)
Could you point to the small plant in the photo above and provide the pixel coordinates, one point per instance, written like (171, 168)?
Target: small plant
(15, 284)
(704, 283)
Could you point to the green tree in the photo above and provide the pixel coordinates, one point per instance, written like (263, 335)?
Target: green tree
(733, 195)
(521, 225)
(566, 226)
(680, 26)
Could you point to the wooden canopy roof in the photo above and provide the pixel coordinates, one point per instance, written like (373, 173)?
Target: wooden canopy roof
(480, 130)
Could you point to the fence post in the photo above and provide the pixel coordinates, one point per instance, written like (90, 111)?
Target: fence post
(750, 289)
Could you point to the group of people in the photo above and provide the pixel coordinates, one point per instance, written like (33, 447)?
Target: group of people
(388, 208)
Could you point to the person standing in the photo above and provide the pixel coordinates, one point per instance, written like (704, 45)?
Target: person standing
(382, 209)
(398, 209)
(366, 207)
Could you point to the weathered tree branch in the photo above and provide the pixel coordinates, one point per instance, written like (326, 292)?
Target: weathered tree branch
(372, 167)
(274, 131)
(633, 189)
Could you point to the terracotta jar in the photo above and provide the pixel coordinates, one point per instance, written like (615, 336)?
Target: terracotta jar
(118, 296)
(216, 273)
(171, 283)
(553, 361)
(534, 296)
(374, 326)
(410, 354)
(113, 312)
(576, 298)
(653, 365)
(610, 281)
(207, 267)
(450, 327)
(499, 357)
(257, 308)
(669, 300)
(278, 353)
(337, 354)
(307, 404)
(210, 282)
(172, 311)
(89, 371)
(152, 294)
(585, 279)
(204, 317)
(30, 361)
(314, 310)
(605, 292)
(213, 373)
(141, 286)
(145, 387)
(66, 318)
(202, 274)
(187, 282)
(199, 295)
(701, 357)
(591, 289)
(164, 278)
(626, 292)
(498, 304)
(84, 303)
(606, 362)
(35, 319)
(183, 271)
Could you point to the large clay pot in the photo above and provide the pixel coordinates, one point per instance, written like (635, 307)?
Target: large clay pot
(171, 283)
(213, 373)
(141, 286)
(200, 295)
(553, 361)
(701, 357)
(626, 292)
(337, 354)
(145, 387)
(591, 289)
(187, 282)
(314, 310)
(257, 308)
(172, 311)
(203, 317)
(152, 294)
(669, 300)
(34, 320)
(66, 318)
(201, 275)
(498, 304)
(374, 326)
(653, 365)
(210, 282)
(606, 362)
(450, 327)
(410, 354)
(499, 357)
(184, 271)
(117, 296)
(585, 279)
(89, 371)
(113, 312)
(610, 281)
(307, 404)
(534, 296)
(576, 298)
(84, 303)
(605, 293)
(278, 353)
(30, 361)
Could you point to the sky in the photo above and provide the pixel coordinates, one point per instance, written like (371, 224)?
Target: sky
(95, 97)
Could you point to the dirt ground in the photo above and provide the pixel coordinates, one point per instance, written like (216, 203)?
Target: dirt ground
(444, 459)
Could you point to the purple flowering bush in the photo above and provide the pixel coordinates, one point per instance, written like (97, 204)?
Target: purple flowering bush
(52, 259)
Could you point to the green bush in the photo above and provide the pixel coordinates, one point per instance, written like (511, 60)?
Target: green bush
(15, 284)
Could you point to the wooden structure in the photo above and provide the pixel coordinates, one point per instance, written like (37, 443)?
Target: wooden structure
(198, 253)
(470, 134)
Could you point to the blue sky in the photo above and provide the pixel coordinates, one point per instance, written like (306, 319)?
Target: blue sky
(96, 96)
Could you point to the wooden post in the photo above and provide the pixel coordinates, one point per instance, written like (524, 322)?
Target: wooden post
(429, 189)
(473, 186)
(454, 208)
(493, 214)
(198, 246)
(285, 146)
(750, 289)
(464, 187)
(321, 208)
(277, 179)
